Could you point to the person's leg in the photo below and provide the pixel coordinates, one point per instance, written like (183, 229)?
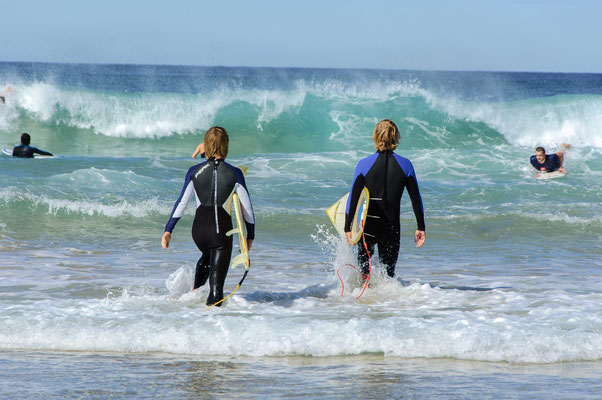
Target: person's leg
(202, 271)
(363, 260)
(220, 261)
(560, 153)
(388, 250)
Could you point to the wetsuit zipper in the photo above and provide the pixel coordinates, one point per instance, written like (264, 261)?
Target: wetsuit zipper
(215, 165)
(385, 197)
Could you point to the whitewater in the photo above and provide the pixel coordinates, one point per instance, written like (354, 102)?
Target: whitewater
(503, 297)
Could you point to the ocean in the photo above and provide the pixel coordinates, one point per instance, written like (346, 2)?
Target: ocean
(503, 301)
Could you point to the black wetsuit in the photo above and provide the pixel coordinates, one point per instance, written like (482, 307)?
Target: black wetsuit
(26, 151)
(385, 174)
(213, 182)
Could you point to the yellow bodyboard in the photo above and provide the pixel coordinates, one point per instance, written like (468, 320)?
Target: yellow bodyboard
(336, 213)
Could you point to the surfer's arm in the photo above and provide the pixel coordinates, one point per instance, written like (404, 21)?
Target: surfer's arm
(416, 198)
(41, 152)
(414, 192)
(181, 203)
(352, 200)
(199, 149)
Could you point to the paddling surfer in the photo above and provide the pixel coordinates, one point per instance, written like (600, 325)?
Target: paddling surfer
(549, 162)
(24, 150)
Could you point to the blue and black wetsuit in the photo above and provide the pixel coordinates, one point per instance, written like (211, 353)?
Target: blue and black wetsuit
(385, 174)
(26, 151)
(213, 183)
(552, 163)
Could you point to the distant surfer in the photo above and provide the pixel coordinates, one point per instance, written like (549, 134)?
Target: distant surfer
(4, 94)
(213, 182)
(549, 162)
(24, 150)
(385, 174)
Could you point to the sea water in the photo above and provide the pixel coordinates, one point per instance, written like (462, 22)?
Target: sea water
(502, 301)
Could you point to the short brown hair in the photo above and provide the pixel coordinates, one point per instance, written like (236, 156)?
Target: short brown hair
(386, 135)
(540, 149)
(216, 142)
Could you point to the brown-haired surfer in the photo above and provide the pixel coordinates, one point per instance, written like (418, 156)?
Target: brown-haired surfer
(213, 182)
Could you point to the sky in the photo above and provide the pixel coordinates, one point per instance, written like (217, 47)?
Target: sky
(485, 35)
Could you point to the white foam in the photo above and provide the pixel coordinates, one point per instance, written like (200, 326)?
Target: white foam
(402, 321)
(145, 115)
(136, 209)
(535, 122)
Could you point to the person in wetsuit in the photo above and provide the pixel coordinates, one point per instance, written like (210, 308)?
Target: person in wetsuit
(24, 150)
(386, 175)
(549, 162)
(213, 182)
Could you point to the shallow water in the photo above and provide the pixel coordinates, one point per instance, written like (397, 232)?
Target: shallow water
(503, 301)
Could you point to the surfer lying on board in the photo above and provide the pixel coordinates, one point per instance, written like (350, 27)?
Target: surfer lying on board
(24, 150)
(549, 162)
(213, 182)
(385, 174)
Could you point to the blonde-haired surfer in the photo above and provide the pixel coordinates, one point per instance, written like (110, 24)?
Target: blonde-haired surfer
(213, 182)
(386, 175)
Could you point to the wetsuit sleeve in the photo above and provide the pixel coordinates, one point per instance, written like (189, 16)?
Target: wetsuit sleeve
(245, 202)
(182, 202)
(414, 192)
(354, 195)
(555, 161)
(42, 152)
(534, 162)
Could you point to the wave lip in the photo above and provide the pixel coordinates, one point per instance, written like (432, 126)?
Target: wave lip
(329, 110)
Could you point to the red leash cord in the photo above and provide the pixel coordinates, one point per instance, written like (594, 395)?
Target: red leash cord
(365, 277)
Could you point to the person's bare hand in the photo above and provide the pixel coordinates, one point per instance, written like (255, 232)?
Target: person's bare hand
(419, 238)
(165, 239)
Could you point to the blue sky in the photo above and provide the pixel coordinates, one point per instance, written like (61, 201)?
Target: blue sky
(494, 35)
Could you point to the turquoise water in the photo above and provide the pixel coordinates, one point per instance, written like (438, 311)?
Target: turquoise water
(505, 290)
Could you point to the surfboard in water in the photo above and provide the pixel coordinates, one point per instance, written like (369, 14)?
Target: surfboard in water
(336, 213)
(549, 175)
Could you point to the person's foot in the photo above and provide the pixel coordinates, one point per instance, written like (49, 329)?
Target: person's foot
(565, 146)
(211, 300)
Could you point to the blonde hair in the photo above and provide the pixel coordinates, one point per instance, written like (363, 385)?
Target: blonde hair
(216, 142)
(386, 135)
